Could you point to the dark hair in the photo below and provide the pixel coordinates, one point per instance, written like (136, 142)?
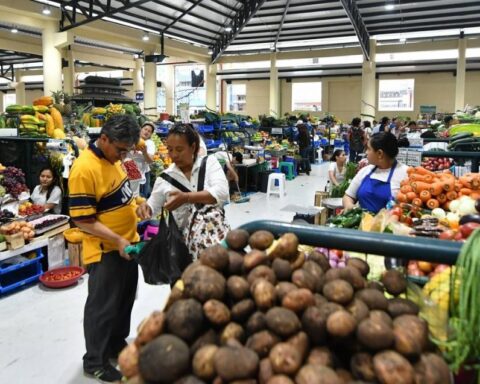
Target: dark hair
(335, 154)
(385, 141)
(447, 118)
(384, 120)
(190, 134)
(122, 128)
(55, 180)
(356, 122)
(412, 123)
(238, 157)
(367, 124)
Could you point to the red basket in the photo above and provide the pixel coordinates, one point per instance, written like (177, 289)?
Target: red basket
(62, 277)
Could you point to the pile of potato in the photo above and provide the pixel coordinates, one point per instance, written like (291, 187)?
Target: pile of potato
(275, 315)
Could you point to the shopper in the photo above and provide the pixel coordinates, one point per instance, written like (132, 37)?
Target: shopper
(48, 193)
(305, 147)
(376, 184)
(228, 161)
(337, 169)
(183, 147)
(367, 127)
(384, 125)
(102, 206)
(143, 157)
(357, 140)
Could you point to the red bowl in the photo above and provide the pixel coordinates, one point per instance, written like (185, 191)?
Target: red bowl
(62, 277)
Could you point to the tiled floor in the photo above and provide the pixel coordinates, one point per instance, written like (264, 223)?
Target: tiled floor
(41, 331)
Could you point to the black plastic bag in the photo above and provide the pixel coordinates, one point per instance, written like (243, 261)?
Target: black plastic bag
(165, 256)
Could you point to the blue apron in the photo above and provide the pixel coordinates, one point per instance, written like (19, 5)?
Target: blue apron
(373, 195)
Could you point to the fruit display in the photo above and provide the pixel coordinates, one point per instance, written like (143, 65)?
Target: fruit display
(50, 221)
(424, 268)
(28, 208)
(13, 180)
(63, 276)
(437, 163)
(278, 315)
(18, 227)
(348, 219)
(114, 109)
(6, 215)
(132, 170)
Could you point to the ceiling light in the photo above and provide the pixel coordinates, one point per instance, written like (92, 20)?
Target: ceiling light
(46, 10)
(228, 28)
(14, 30)
(145, 37)
(210, 51)
(389, 7)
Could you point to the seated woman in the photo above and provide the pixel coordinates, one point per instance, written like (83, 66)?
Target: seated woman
(48, 193)
(337, 169)
(378, 183)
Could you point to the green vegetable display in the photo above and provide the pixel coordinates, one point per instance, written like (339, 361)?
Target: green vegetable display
(339, 190)
(349, 219)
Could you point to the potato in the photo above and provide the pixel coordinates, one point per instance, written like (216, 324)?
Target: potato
(235, 363)
(282, 321)
(262, 342)
(304, 279)
(285, 359)
(320, 259)
(310, 374)
(282, 288)
(358, 309)
(341, 324)
(235, 263)
(237, 288)
(204, 283)
(285, 248)
(338, 291)
(256, 323)
(314, 323)
(265, 371)
(319, 300)
(150, 328)
(349, 274)
(216, 312)
(232, 331)
(360, 264)
(301, 343)
(261, 240)
(282, 269)
(202, 363)
(431, 369)
(399, 306)
(298, 300)
(209, 337)
(297, 261)
(253, 258)
(264, 272)
(376, 285)
(392, 368)
(237, 239)
(344, 376)
(128, 360)
(280, 379)
(328, 308)
(361, 366)
(321, 356)
(411, 335)
(373, 298)
(375, 334)
(176, 293)
(215, 257)
(263, 293)
(317, 273)
(242, 310)
(185, 319)
(394, 282)
(190, 379)
(381, 316)
(164, 360)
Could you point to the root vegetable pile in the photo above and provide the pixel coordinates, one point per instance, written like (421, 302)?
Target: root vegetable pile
(276, 315)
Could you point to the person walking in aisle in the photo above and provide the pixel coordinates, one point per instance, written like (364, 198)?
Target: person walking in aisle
(103, 207)
(357, 140)
(305, 147)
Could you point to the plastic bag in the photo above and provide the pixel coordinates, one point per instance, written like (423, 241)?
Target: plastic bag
(165, 256)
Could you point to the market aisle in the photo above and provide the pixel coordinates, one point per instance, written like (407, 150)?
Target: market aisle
(41, 330)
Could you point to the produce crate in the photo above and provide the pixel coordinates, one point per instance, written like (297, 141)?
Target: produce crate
(18, 274)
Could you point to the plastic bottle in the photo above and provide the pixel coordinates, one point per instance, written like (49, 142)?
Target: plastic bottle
(327, 186)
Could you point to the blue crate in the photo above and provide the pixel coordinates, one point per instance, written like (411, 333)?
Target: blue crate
(21, 274)
(205, 128)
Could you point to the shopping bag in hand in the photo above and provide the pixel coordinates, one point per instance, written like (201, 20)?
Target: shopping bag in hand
(165, 256)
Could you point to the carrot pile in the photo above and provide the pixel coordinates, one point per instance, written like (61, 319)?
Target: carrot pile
(425, 188)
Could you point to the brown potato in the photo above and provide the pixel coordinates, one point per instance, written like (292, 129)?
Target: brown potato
(285, 359)
(204, 283)
(253, 258)
(237, 288)
(235, 263)
(320, 259)
(317, 273)
(232, 331)
(237, 239)
(235, 363)
(321, 356)
(394, 282)
(263, 293)
(128, 360)
(344, 376)
(381, 316)
(432, 369)
(392, 368)
(360, 264)
(261, 240)
(304, 279)
(376, 285)
(242, 310)
(282, 321)
(282, 269)
(189, 379)
(264, 272)
(280, 379)
(256, 323)
(297, 261)
(399, 306)
(350, 274)
(283, 288)
(314, 323)
(265, 371)
(338, 291)
(319, 300)
(203, 362)
(309, 374)
(411, 335)
(177, 293)
(215, 257)
(375, 334)
(150, 328)
(358, 309)
(286, 247)
(185, 319)
(373, 298)
(361, 365)
(209, 337)
(298, 300)
(341, 324)
(216, 312)
(262, 342)
(301, 343)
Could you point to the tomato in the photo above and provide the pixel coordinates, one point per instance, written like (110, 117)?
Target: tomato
(467, 229)
(397, 211)
(447, 235)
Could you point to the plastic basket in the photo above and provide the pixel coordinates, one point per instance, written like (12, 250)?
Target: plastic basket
(205, 128)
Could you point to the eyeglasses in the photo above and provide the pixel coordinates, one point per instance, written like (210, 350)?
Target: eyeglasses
(121, 150)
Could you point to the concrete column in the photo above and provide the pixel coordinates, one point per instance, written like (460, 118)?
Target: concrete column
(369, 88)
(137, 76)
(69, 72)
(19, 86)
(325, 95)
(169, 84)
(52, 59)
(150, 100)
(274, 108)
(211, 89)
(461, 70)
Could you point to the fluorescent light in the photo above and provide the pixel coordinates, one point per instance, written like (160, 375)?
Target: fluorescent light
(228, 28)
(389, 7)
(46, 10)
(14, 30)
(145, 37)
(210, 51)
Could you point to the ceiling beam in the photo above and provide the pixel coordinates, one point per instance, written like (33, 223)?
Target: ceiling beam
(6, 71)
(181, 15)
(355, 17)
(281, 25)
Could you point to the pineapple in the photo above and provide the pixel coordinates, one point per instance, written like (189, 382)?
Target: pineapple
(67, 108)
(58, 97)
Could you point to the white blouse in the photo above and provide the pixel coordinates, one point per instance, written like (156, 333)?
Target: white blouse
(40, 197)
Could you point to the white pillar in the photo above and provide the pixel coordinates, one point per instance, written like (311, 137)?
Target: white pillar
(52, 59)
(461, 70)
(19, 86)
(274, 109)
(369, 88)
(169, 84)
(69, 72)
(137, 76)
(211, 89)
(150, 100)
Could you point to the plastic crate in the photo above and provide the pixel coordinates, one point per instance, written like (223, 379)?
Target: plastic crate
(15, 276)
(204, 128)
(213, 144)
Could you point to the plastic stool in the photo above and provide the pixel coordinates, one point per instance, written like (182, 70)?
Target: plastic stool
(290, 173)
(272, 189)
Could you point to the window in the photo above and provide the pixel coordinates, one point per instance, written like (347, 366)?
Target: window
(307, 96)
(236, 97)
(194, 94)
(396, 95)
(9, 99)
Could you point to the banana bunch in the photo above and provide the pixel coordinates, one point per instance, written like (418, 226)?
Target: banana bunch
(439, 286)
(115, 109)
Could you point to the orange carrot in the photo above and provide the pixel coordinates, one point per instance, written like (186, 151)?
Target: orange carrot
(446, 206)
(417, 202)
(457, 186)
(433, 203)
(423, 171)
(452, 195)
(475, 182)
(406, 188)
(418, 177)
(465, 191)
(401, 197)
(448, 185)
(442, 198)
(419, 186)
(425, 195)
(411, 196)
(404, 182)
(475, 195)
(429, 178)
(466, 181)
(436, 188)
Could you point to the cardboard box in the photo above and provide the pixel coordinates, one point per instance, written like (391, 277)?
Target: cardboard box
(319, 196)
(15, 241)
(317, 216)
